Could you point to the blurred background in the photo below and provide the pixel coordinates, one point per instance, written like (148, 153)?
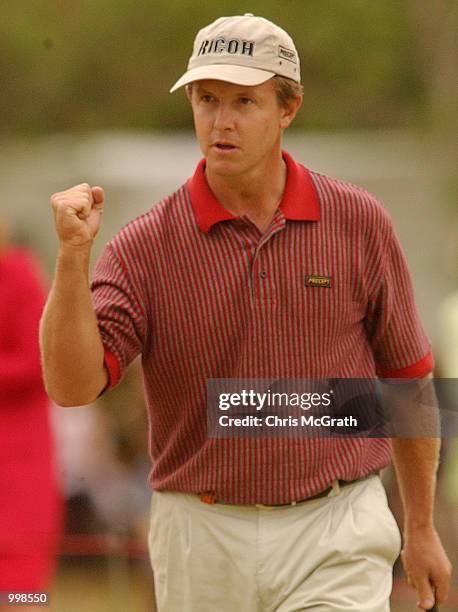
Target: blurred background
(84, 97)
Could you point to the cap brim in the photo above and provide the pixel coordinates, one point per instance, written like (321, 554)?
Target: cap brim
(241, 75)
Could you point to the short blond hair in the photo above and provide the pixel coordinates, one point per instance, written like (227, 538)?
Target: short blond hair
(286, 89)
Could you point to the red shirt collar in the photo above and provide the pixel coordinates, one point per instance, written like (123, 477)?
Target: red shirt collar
(299, 202)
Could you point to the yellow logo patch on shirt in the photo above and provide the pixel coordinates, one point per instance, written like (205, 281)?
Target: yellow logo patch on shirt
(314, 280)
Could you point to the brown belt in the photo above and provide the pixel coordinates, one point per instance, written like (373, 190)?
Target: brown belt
(209, 498)
(325, 493)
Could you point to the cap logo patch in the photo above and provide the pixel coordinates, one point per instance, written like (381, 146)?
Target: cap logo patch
(314, 280)
(287, 54)
(234, 46)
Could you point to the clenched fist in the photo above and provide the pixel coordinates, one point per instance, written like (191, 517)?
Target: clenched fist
(77, 214)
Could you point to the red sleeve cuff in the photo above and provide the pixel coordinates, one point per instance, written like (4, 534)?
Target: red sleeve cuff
(113, 368)
(416, 370)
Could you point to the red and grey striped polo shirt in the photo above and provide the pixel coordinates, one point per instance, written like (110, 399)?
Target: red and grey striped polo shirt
(203, 294)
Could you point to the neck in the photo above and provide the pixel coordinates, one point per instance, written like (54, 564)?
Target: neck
(255, 194)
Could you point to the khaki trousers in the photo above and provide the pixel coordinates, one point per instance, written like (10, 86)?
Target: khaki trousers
(332, 554)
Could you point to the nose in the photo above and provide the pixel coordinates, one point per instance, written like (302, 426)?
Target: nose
(224, 117)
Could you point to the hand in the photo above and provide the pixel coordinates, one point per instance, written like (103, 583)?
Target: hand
(77, 214)
(426, 565)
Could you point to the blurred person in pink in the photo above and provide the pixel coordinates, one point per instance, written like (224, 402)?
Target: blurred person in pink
(30, 502)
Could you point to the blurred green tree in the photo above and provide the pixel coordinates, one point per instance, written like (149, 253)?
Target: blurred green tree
(70, 66)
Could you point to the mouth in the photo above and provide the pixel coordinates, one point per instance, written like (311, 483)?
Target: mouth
(224, 146)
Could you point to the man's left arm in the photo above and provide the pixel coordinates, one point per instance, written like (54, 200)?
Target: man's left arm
(416, 460)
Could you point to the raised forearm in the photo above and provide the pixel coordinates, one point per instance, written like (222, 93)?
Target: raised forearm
(71, 347)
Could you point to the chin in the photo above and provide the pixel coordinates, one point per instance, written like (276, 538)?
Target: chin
(223, 166)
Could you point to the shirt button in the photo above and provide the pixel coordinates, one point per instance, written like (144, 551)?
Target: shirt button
(263, 274)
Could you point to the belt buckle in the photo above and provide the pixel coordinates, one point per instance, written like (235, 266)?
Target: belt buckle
(208, 498)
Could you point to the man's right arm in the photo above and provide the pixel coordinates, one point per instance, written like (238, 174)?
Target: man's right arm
(71, 347)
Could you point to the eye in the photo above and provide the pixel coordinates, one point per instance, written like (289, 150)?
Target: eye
(206, 98)
(245, 101)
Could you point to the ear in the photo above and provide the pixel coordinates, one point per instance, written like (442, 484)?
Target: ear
(289, 112)
(188, 90)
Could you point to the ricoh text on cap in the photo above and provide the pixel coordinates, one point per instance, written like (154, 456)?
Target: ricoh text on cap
(243, 49)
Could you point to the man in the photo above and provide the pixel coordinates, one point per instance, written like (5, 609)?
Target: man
(255, 268)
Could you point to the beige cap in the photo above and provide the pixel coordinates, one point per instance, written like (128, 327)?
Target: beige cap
(244, 49)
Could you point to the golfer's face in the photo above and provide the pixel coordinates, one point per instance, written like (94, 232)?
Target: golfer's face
(238, 127)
